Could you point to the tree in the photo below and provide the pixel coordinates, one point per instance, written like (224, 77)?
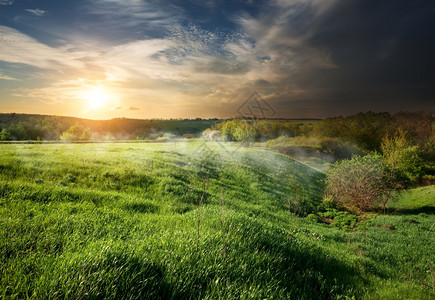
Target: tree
(5, 135)
(401, 158)
(18, 131)
(364, 129)
(359, 184)
(244, 133)
(75, 133)
(239, 130)
(417, 125)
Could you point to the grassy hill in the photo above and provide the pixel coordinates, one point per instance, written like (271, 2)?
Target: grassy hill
(193, 220)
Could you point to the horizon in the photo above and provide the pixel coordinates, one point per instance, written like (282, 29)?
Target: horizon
(145, 119)
(306, 59)
(229, 118)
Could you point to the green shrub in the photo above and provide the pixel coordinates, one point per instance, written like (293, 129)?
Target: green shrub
(342, 219)
(359, 184)
(312, 218)
(75, 133)
(402, 159)
(5, 135)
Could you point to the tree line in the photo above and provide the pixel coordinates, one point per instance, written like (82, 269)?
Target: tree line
(17, 127)
(366, 130)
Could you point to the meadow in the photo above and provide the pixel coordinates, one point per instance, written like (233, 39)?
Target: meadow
(196, 220)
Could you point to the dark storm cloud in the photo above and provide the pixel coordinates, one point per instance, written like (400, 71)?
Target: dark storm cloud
(347, 56)
(384, 52)
(389, 42)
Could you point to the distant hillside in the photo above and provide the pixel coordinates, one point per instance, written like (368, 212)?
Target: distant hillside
(365, 130)
(31, 126)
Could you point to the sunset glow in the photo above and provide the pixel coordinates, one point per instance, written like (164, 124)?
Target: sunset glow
(96, 97)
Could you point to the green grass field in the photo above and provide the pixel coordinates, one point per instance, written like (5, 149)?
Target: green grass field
(193, 220)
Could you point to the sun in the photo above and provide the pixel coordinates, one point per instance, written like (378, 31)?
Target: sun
(96, 97)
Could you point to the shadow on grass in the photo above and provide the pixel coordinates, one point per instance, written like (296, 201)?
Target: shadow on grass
(270, 263)
(113, 275)
(430, 210)
(304, 270)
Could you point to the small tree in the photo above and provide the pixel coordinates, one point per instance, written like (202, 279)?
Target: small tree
(401, 158)
(75, 133)
(239, 130)
(359, 184)
(18, 131)
(5, 135)
(244, 133)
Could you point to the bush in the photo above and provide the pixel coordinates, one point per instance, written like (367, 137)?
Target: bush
(359, 184)
(75, 133)
(402, 159)
(312, 218)
(342, 219)
(5, 135)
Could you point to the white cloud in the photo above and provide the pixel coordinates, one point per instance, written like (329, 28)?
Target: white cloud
(16, 47)
(6, 2)
(36, 11)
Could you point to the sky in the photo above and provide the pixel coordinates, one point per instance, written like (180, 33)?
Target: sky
(103, 59)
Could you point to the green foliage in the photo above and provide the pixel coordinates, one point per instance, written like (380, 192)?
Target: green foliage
(18, 131)
(244, 133)
(339, 138)
(27, 126)
(312, 218)
(238, 130)
(359, 184)
(328, 212)
(5, 135)
(367, 130)
(401, 158)
(262, 130)
(363, 129)
(341, 219)
(75, 133)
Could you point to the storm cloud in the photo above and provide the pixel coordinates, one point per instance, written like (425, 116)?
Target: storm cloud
(306, 58)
